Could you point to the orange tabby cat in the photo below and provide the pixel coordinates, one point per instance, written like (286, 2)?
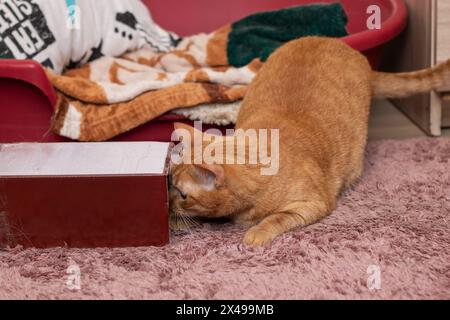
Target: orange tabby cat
(317, 92)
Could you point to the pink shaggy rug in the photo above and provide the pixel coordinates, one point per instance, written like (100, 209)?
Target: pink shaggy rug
(389, 239)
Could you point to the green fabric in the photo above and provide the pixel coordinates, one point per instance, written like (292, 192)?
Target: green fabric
(260, 34)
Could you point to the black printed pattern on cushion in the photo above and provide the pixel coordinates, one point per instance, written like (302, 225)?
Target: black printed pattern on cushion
(24, 32)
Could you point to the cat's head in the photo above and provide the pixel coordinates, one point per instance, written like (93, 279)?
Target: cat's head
(203, 190)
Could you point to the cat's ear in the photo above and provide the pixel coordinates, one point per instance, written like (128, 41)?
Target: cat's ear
(211, 175)
(181, 128)
(186, 134)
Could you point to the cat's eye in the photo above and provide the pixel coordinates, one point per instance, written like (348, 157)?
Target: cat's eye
(183, 195)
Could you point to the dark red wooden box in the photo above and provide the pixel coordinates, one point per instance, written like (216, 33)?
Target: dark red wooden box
(84, 195)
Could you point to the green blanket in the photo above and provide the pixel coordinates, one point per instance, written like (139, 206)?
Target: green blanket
(258, 35)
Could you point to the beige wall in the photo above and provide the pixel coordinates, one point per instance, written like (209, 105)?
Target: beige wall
(443, 49)
(443, 30)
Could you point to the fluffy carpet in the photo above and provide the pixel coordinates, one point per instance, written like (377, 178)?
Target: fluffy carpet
(395, 221)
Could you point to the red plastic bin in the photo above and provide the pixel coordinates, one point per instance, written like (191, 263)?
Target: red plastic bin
(27, 98)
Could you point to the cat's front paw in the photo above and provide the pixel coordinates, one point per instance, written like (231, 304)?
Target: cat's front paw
(257, 237)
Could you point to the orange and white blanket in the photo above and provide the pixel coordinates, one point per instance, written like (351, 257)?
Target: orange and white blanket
(112, 95)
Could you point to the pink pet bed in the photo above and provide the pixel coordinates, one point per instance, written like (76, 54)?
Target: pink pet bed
(27, 97)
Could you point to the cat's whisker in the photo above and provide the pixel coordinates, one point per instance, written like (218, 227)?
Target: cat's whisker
(194, 222)
(188, 226)
(188, 221)
(185, 222)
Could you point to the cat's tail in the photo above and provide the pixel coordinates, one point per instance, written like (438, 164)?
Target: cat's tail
(400, 85)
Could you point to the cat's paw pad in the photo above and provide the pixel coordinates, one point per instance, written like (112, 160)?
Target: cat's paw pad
(257, 237)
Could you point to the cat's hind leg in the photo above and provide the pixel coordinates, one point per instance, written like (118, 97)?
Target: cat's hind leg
(298, 214)
(355, 174)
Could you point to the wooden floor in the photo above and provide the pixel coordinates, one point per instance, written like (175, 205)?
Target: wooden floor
(387, 122)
